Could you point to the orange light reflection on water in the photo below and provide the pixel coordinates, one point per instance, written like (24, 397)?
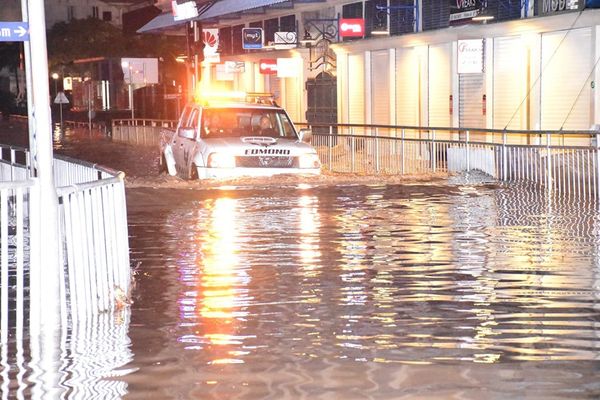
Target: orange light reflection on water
(219, 282)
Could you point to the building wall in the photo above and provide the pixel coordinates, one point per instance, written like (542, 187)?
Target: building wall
(65, 10)
(538, 74)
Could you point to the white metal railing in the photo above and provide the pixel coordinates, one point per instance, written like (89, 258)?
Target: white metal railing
(93, 232)
(139, 131)
(94, 280)
(566, 162)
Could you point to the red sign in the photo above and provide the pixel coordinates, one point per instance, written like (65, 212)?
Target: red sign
(352, 27)
(267, 66)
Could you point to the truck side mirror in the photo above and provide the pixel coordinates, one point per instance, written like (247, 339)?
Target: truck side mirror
(187, 133)
(305, 135)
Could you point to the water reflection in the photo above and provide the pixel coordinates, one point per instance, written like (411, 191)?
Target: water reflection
(81, 361)
(391, 275)
(282, 292)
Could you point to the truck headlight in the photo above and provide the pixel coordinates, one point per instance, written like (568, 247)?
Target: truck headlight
(309, 161)
(221, 160)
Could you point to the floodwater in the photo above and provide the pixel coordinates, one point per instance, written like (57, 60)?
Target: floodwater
(331, 289)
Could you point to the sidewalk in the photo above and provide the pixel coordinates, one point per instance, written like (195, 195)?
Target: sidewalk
(14, 131)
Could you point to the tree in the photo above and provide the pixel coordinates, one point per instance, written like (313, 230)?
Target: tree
(91, 37)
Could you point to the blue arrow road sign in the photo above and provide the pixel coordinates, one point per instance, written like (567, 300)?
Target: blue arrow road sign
(14, 32)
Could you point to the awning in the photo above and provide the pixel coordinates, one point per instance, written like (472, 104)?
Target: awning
(218, 9)
(225, 7)
(160, 23)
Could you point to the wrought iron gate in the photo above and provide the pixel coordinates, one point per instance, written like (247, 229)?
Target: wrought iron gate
(322, 101)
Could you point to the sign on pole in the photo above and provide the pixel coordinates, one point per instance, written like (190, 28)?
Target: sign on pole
(61, 98)
(14, 32)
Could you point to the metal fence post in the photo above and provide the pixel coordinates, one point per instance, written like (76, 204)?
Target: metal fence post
(598, 165)
(548, 163)
(504, 157)
(433, 151)
(330, 152)
(352, 147)
(377, 165)
(468, 151)
(402, 150)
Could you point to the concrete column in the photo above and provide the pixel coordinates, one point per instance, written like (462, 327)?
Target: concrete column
(595, 117)
(393, 85)
(368, 89)
(43, 145)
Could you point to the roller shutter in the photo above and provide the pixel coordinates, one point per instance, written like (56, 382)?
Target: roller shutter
(274, 87)
(509, 68)
(566, 89)
(356, 89)
(292, 98)
(407, 87)
(380, 93)
(440, 85)
(471, 88)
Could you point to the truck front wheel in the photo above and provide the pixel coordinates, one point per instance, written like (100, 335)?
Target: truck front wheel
(194, 173)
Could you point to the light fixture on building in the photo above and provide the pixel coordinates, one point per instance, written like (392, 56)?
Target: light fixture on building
(307, 39)
(484, 15)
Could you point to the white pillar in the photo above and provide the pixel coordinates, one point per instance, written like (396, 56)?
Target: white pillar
(43, 144)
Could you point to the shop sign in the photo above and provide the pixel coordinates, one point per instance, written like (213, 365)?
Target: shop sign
(185, 10)
(235, 66)
(546, 7)
(285, 40)
(287, 67)
(470, 56)
(210, 37)
(212, 59)
(252, 38)
(267, 66)
(463, 9)
(222, 74)
(352, 27)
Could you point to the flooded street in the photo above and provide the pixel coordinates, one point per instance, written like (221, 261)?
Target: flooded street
(363, 291)
(342, 287)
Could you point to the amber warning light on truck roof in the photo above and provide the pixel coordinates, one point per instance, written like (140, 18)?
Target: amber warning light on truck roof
(225, 97)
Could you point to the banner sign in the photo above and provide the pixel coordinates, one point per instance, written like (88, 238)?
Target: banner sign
(235, 66)
(470, 56)
(463, 9)
(352, 27)
(288, 67)
(252, 38)
(210, 37)
(267, 66)
(184, 11)
(549, 7)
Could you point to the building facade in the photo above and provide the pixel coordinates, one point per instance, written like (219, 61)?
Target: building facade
(106, 10)
(534, 66)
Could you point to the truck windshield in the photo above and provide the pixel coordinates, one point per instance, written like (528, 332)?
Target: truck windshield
(239, 122)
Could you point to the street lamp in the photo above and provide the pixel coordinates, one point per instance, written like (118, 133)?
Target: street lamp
(127, 65)
(55, 76)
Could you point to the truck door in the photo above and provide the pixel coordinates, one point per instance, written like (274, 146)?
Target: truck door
(178, 140)
(187, 144)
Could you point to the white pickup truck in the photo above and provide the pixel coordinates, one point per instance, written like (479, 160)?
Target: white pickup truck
(248, 135)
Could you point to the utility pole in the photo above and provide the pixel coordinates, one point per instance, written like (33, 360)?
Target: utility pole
(41, 146)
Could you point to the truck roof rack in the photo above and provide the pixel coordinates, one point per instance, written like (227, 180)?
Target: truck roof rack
(260, 98)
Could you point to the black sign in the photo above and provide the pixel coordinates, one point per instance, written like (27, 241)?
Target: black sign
(252, 38)
(461, 10)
